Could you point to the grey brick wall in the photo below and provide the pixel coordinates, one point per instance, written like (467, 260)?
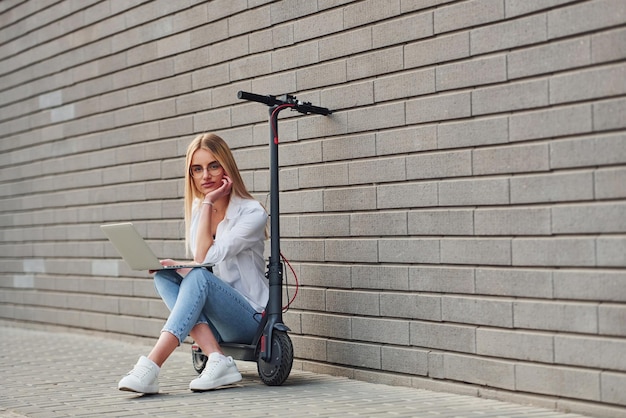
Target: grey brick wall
(458, 223)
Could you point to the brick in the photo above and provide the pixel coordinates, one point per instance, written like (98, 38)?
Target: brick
(494, 373)
(590, 285)
(510, 34)
(443, 336)
(301, 201)
(406, 195)
(439, 165)
(402, 305)
(354, 354)
(474, 192)
(295, 56)
(549, 58)
(610, 386)
(437, 50)
(303, 250)
(556, 316)
(324, 225)
(404, 360)
(300, 153)
(324, 275)
(210, 76)
(379, 277)
(316, 25)
(415, 83)
(510, 96)
(609, 183)
(349, 95)
(612, 320)
(479, 311)
(441, 222)
(476, 251)
(249, 67)
(389, 331)
(349, 147)
(322, 75)
(375, 63)
(591, 352)
(326, 175)
(588, 151)
(408, 251)
(472, 133)
(406, 140)
(518, 344)
(380, 170)
(369, 11)
(553, 187)
(596, 218)
(584, 85)
(514, 221)
(441, 279)
(474, 72)
(439, 107)
(354, 198)
(468, 14)
(585, 17)
(608, 46)
(353, 250)
(402, 30)
(376, 224)
(325, 325)
(511, 159)
(611, 251)
(353, 302)
(521, 7)
(554, 252)
(550, 123)
(321, 126)
(609, 114)
(345, 44)
(558, 381)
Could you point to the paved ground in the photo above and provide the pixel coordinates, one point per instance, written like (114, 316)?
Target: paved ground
(58, 374)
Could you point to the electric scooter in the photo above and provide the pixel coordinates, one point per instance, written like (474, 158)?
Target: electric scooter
(271, 347)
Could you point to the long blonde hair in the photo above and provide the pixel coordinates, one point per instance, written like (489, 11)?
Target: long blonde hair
(222, 153)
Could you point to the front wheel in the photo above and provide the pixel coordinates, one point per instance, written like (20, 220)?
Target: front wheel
(198, 358)
(276, 371)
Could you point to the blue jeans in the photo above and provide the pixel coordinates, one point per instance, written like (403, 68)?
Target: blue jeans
(202, 297)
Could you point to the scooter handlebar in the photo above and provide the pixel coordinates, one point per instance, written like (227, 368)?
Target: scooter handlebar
(302, 107)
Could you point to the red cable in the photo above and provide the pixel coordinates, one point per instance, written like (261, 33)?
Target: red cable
(285, 308)
(274, 127)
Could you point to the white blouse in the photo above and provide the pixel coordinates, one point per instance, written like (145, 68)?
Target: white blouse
(237, 249)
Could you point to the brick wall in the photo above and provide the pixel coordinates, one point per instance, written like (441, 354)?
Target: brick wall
(458, 223)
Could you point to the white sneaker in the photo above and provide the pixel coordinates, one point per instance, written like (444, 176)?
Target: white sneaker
(143, 378)
(219, 371)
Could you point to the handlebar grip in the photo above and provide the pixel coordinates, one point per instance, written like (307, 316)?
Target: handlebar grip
(309, 108)
(268, 100)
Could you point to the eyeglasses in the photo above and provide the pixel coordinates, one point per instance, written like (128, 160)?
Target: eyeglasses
(197, 171)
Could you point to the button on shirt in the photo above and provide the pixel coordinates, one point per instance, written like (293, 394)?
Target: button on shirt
(237, 250)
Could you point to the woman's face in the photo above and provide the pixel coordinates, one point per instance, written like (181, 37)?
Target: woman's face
(206, 172)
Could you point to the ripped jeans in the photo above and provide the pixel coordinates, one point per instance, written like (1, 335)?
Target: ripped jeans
(202, 297)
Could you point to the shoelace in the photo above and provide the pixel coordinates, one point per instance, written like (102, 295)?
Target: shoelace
(210, 368)
(140, 371)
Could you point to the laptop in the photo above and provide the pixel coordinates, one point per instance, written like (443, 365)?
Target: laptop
(134, 250)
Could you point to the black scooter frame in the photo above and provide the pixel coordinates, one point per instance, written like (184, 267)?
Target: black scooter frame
(264, 343)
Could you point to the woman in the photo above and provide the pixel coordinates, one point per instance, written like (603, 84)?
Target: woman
(225, 226)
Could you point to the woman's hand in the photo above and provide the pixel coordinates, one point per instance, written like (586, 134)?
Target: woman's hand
(166, 262)
(223, 190)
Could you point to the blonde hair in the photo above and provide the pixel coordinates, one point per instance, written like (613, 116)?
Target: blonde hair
(222, 153)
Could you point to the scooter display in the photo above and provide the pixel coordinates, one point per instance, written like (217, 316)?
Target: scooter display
(271, 347)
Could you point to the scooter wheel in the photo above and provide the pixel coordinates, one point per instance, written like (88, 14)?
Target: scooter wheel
(276, 371)
(198, 359)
